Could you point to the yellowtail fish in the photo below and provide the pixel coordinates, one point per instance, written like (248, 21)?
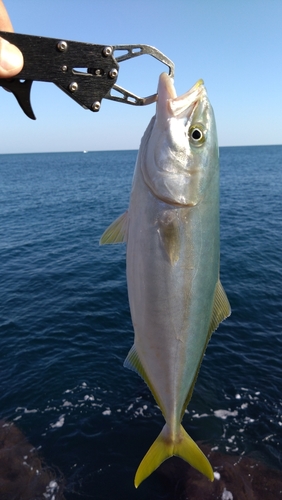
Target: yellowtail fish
(172, 235)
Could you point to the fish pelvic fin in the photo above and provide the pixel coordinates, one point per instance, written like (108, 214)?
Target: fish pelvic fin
(116, 232)
(165, 447)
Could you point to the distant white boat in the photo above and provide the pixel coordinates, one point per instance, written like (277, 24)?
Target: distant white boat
(85, 151)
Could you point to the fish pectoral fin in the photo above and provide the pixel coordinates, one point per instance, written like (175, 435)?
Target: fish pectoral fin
(165, 447)
(169, 233)
(221, 308)
(116, 232)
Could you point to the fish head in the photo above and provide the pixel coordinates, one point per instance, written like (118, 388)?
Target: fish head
(180, 155)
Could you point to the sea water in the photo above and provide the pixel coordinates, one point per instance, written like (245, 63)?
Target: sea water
(65, 326)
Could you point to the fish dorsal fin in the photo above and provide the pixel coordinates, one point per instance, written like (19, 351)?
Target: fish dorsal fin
(116, 232)
(133, 362)
(221, 310)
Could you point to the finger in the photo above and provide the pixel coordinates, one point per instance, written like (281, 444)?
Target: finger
(5, 22)
(11, 59)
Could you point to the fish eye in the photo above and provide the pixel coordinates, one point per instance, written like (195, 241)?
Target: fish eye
(196, 135)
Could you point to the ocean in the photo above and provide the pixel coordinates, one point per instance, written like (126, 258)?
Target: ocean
(65, 326)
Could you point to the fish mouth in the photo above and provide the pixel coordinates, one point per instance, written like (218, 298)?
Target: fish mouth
(178, 105)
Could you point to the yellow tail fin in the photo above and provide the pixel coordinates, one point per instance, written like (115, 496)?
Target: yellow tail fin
(163, 448)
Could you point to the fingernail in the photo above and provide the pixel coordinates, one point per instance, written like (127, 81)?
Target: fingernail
(11, 58)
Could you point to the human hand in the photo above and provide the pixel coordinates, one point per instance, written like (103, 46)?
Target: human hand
(11, 58)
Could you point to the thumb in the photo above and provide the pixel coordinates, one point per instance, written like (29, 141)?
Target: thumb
(11, 59)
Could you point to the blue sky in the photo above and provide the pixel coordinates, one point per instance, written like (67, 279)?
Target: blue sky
(234, 45)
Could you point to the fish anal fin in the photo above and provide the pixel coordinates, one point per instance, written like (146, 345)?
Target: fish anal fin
(116, 232)
(164, 447)
(133, 362)
(221, 310)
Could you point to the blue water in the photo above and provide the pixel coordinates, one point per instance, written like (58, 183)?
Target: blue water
(65, 325)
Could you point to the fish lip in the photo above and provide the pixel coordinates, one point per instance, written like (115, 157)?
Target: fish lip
(198, 87)
(166, 87)
(169, 105)
(187, 102)
(177, 105)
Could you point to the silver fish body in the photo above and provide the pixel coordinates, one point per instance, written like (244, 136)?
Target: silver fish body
(172, 234)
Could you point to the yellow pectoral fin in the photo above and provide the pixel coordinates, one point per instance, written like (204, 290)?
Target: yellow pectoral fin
(116, 232)
(164, 447)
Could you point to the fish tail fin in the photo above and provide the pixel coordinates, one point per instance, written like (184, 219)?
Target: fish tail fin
(165, 447)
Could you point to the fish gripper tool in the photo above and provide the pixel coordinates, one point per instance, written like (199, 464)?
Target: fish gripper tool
(86, 72)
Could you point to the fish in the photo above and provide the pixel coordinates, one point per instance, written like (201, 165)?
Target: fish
(171, 230)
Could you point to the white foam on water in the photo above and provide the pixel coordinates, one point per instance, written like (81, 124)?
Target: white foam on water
(51, 489)
(59, 423)
(25, 410)
(216, 475)
(248, 420)
(89, 398)
(268, 437)
(107, 412)
(196, 415)
(231, 439)
(225, 413)
(140, 411)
